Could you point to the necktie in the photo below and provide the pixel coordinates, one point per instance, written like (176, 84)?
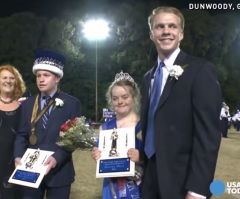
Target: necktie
(154, 99)
(46, 114)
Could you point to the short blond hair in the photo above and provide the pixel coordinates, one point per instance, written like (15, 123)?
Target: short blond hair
(166, 9)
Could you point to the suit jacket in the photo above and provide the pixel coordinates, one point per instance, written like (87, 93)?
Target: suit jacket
(187, 128)
(64, 173)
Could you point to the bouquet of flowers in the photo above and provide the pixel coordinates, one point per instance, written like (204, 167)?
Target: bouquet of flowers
(74, 134)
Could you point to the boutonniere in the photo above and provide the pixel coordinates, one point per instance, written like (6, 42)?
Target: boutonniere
(21, 100)
(58, 103)
(176, 71)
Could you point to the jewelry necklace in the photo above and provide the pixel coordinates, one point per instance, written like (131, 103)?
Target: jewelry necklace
(6, 102)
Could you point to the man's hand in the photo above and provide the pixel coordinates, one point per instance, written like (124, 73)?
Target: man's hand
(18, 161)
(51, 162)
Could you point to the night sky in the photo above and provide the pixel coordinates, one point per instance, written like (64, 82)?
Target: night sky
(52, 8)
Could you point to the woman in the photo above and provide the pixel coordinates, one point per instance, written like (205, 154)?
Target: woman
(123, 97)
(12, 88)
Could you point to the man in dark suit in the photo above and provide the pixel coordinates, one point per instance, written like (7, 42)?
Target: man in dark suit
(181, 130)
(43, 134)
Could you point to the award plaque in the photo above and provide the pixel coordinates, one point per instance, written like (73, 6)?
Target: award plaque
(32, 170)
(114, 145)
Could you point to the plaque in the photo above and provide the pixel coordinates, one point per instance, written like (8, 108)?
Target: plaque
(32, 170)
(114, 145)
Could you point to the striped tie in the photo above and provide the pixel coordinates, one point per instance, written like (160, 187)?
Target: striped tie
(46, 114)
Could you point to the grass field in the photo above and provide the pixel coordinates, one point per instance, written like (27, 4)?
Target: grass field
(86, 186)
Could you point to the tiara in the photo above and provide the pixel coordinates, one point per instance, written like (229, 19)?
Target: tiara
(123, 76)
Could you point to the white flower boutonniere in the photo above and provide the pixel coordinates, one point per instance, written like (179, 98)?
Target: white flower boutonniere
(59, 102)
(176, 71)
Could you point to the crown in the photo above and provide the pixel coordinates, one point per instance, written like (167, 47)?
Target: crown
(123, 76)
(50, 61)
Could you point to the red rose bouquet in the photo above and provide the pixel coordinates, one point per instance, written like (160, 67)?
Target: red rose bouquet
(74, 134)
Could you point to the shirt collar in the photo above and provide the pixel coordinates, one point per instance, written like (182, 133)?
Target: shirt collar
(51, 95)
(169, 61)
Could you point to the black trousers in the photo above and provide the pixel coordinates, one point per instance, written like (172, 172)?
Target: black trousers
(50, 192)
(150, 188)
(224, 126)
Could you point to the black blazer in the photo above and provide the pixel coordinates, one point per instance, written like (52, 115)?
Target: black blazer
(64, 173)
(187, 128)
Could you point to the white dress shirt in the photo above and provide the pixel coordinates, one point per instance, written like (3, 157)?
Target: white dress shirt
(169, 61)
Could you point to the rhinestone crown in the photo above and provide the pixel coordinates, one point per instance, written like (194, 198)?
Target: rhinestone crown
(123, 76)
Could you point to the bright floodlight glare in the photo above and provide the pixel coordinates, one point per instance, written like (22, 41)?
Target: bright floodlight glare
(96, 29)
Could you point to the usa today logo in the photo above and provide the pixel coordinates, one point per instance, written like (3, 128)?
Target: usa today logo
(218, 188)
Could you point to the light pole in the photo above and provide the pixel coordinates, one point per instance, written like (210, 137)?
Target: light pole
(96, 29)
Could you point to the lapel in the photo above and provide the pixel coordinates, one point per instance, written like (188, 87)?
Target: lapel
(52, 115)
(55, 109)
(39, 123)
(180, 60)
(149, 79)
(39, 126)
